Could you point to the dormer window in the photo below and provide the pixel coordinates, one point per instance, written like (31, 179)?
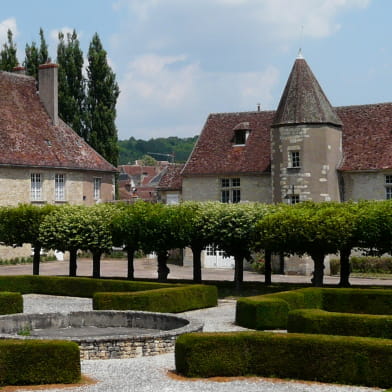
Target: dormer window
(241, 133)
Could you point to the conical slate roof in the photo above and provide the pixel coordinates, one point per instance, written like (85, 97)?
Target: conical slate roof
(303, 101)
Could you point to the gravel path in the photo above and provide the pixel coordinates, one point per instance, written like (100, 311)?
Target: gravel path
(147, 374)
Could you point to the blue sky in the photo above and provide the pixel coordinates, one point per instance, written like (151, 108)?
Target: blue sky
(176, 61)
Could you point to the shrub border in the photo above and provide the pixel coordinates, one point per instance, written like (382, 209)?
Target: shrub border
(325, 358)
(271, 311)
(121, 294)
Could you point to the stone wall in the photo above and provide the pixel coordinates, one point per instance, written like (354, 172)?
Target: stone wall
(253, 188)
(364, 185)
(15, 185)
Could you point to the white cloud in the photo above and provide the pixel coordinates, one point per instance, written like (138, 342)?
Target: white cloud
(5, 25)
(175, 94)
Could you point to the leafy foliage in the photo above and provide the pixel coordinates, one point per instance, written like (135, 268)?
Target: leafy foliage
(134, 149)
(101, 102)
(72, 93)
(8, 58)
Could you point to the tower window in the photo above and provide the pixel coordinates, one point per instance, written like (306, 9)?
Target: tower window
(295, 159)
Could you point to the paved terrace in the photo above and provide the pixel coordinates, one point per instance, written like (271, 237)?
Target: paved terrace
(147, 268)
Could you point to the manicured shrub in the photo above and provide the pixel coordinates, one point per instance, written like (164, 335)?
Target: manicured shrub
(345, 360)
(11, 303)
(74, 287)
(167, 300)
(271, 311)
(38, 362)
(330, 323)
(365, 301)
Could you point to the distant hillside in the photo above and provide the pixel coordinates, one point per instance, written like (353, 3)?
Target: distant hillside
(133, 149)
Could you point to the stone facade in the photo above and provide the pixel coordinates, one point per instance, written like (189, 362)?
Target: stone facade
(313, 176)
(253, 188)
(15, 186)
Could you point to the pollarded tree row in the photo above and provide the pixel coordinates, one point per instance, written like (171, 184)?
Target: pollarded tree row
(314, 229)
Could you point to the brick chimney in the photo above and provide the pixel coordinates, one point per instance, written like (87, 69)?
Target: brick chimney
(48, 89)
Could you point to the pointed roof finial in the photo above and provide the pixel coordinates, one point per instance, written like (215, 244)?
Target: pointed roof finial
(300, 55)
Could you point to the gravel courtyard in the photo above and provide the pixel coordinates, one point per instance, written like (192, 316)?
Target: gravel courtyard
(153, 374)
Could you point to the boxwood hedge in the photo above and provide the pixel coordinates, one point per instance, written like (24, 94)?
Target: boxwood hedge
(118, 294)
(167, 300)
(345, 360)
(271, 311)
(331, 323)
(11, 303)
(25, 362)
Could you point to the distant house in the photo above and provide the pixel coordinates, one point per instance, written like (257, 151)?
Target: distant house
(170, 184)
(140, 182)
(42, 159)
(305, 150)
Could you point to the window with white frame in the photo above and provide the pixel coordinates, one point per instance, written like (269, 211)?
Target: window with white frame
(293, 199)
(295, 159)
(36, 187)
(97, 188)
(230, 190)
(59, 187)
(388, 187)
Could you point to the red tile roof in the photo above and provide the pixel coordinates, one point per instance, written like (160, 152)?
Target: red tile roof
(171, 179)
(367, 136)
(28, 138)
(367, 142)
(214, 152)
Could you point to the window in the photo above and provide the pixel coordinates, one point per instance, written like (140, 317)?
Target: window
(97, 188)
(240, 136)
(59, 187)
(293, 199)
(295, 159)
(388, 187)
(230, 192)
(36, 187)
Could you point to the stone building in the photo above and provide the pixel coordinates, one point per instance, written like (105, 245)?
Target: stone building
(42, 159)
(305, 150)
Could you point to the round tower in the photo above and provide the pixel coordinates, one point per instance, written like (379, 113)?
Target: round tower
(306, 141)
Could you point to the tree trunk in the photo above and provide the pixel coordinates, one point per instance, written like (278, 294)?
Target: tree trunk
(268, 268)
(345, 267)
(281, 263)
(73, 255)
(97, 264)
(131, 269)
(197, 264)
(238, 271)
(318, 273)
(163, 269)
(36, 259)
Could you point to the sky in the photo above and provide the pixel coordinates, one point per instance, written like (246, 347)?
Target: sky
(176, 61)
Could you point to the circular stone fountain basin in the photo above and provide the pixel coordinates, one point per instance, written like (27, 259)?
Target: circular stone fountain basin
(103, 334)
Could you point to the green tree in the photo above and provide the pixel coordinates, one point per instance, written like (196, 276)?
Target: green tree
(127, 229)
(8, 58)
(101, 101)
(161, 228)
(35, 56)
(72, 84)
(21, 225)
(148, 160)
(196, 229)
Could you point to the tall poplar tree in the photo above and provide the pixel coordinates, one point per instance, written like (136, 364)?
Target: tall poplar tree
(35, 56)
(101, 102)
(8, 59)
(72, 93)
